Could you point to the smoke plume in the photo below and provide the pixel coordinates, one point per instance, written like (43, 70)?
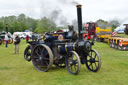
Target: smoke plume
(60, 11)
(55, 14)
(69, 2)
(75, 24)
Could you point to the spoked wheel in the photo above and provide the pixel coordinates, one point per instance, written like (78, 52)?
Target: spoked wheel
(42, 57)
(73, 63)
(27, 53)
(93, 61)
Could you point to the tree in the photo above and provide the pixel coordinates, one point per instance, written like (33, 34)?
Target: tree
(22, 20)
(32, 23)
(45, 25)
(2, 26)
(22, 23)
(114, 24)
(102, 24)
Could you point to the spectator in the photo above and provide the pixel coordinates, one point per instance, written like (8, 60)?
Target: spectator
(27, 38)
(33, 37)
(7, 28)
(6, 40)
(16, 43)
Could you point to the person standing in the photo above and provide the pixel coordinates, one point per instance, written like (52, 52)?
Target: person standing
(6, 40)
(27, 38)
(6, 28)
(16, 43)
(33, 37)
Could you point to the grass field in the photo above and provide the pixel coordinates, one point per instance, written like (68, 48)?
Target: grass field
(123, 35)
(14, 70)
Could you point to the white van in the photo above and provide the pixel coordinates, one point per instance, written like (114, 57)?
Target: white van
(22, 35)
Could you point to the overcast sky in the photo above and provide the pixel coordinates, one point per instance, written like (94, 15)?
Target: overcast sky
(66, 9)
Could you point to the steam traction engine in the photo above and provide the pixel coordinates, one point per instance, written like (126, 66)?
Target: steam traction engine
(61, 51)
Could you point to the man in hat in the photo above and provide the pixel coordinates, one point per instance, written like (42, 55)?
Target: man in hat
(72, 34)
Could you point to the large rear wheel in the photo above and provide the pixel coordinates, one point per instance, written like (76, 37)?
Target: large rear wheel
(73, 63)
(42, 57)
(93, 61)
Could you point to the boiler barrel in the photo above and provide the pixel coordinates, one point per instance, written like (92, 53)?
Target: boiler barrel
(65, 48)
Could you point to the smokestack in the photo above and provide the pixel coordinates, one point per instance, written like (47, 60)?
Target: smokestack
(79, 19)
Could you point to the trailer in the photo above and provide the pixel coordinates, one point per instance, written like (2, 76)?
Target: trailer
(103, 35)
(114, 41)
(117, 42)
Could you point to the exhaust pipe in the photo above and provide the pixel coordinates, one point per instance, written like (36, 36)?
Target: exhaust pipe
(79, 18)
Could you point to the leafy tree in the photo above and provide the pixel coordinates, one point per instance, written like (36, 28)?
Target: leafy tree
(32, 23)
(114, 24)
(22, 23)
(102, 24)
(2, 26)
(45, 25)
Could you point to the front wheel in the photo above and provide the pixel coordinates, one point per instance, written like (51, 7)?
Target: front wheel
(27, 53)
(93, 61)
(73, 63)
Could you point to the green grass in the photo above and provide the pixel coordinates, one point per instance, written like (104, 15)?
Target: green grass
(123, 35)
(14, 70)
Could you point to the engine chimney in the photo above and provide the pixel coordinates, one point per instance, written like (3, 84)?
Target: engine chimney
(79, 19)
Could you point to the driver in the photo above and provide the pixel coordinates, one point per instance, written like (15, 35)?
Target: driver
(72, 34)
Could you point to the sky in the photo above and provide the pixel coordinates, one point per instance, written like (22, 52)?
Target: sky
(64, 11)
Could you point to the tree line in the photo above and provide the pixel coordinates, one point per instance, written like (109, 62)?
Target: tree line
(22, 22)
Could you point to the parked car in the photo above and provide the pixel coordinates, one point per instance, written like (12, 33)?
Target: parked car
(2, 36)
(22, 35)
(120, 29)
